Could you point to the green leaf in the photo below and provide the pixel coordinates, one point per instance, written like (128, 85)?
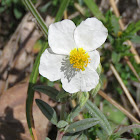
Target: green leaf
(126, 128)
(99, 69)
(101, 134)
(95, 112)
(82, 98)
(75, 111)
(17, 13)
(96, 89)
(135, 39)
(115, 24)
(115, 57)
(62, 94)
(62, 124)
(2, 9)
(47, 110)
(50, 91)
(30, 92)
(83, 137)
(63, 6)
(132, 28)
(82, 125)
(69, 136)
(114, 115)
(45, 7)
(94, 9)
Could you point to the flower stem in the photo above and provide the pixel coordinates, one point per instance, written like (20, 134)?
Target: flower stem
(63, 106)
(59, 135)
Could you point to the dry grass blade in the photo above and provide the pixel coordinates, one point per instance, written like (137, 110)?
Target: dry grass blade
(109, 99)
(132, 49)
(131, 67)
(79, 8)
(125, 89)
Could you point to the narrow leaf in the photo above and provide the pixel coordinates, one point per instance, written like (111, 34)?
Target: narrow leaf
(30, 92)
(82, 125)
(83, 137)
(69, 136)
(62, 94)
(63, 6)
(94, 9)
(47, 110)
(50, 91)
(96, 89)
(35, 13)
(95, 112)
(127, 128)
(75, 111)
(62, 124)
(135, 39)
(115, 24)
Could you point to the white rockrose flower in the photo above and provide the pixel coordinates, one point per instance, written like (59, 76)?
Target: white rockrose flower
(72, 56)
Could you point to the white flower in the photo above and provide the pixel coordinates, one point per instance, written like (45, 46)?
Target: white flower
(72, 56)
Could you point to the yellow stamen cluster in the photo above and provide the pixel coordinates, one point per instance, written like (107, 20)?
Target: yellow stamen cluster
(79, 58)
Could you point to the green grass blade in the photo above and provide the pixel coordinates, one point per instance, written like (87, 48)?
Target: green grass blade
(70, 136)
(30, 92)
(61, 10)
(94, 9)
(37, 16)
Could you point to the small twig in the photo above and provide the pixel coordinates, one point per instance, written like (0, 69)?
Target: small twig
(113, 102)
(79, 8)
(132, 49)
(65, 14)
(125, 89)
(74, 15)
(131, 67)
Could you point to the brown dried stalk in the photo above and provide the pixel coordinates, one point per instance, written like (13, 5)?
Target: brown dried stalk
(126, 91)
(113, 102)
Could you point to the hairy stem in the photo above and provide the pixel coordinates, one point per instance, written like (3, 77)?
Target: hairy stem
(59, 135)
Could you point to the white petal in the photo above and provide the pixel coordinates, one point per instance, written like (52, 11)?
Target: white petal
(94, 59)
(90, 34)
(60, 36)
(74, 81)
(89, 79)
(50, 65)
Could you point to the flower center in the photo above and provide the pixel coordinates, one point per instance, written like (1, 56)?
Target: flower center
(79, 58)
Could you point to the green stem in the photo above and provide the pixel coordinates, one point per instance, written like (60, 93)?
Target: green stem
(63, 107)
(59, 135)
(64, 4)
(37, 16)
(30, 92)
